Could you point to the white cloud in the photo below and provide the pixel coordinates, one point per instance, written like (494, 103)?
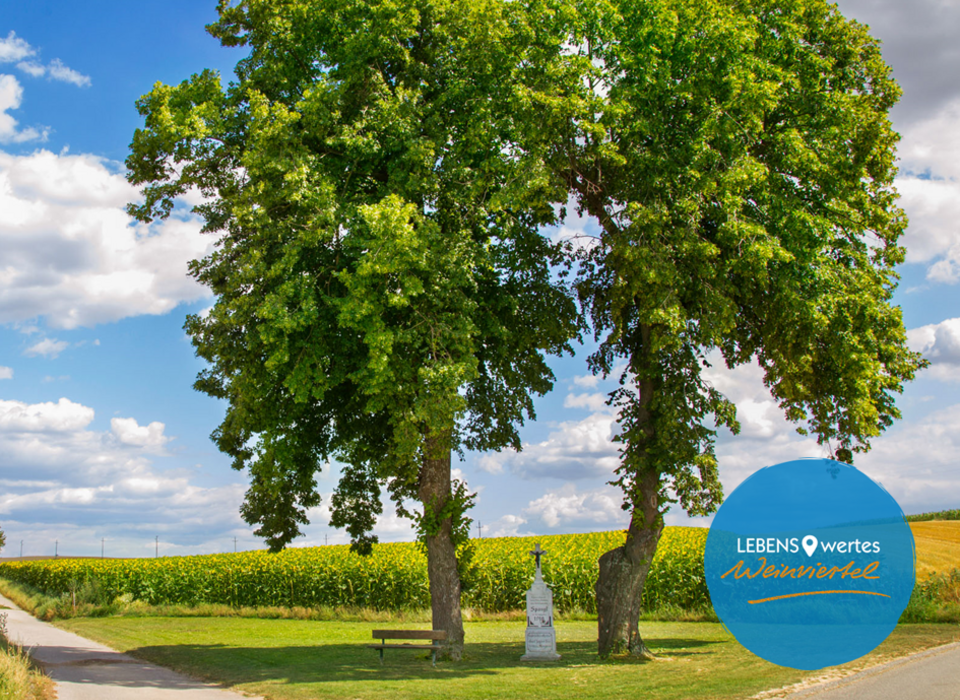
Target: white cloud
(32, 68)
(13, 48)
(582, 232)
(47, 347)
(917, 462)
(575, 450)
(939, 343)
(506, 526)
(57, 71)
(63, 416)
(594, 402)
(933, 235)
(86, 484)
(73, 256)
(568, 508)
(919, 43)
(6, 372)
(492, 462)
(129, 432)
(587, 381)
(11, 94)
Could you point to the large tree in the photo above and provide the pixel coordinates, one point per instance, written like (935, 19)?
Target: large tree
(384, 294)
(739, 159)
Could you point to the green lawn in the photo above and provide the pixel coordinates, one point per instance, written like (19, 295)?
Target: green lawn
(299, 659)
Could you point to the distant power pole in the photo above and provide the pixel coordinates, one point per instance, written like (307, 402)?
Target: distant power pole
(156, 551)
(325, 540)
(234, 545)
(56, 548)
(102, 540)
(480, 529)
(21, 549)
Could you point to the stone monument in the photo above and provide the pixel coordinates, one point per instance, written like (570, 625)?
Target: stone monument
(541, 636)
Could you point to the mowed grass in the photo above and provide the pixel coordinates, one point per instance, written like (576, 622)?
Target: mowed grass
(938, 546)
(300, 659)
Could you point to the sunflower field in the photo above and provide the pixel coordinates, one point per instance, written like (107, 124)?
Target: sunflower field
(495, 572)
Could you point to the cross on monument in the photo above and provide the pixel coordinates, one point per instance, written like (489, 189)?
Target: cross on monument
(537, 553)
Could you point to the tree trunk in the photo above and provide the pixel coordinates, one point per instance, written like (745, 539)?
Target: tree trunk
(623, 571)
(434, 491)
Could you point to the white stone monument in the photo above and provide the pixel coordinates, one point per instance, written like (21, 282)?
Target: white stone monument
(541, 636)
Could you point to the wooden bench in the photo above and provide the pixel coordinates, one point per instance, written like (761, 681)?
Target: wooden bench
(433, 635)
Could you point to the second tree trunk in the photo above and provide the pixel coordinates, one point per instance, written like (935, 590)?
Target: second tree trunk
(434, 492)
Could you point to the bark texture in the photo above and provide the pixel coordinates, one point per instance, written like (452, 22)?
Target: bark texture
(434, 490)
(623, 571)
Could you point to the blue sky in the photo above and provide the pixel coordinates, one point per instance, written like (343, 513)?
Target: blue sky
(101, 434)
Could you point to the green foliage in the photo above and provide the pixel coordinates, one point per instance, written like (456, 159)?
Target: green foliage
(3, 540)
(381, 278)
(739, 159)
(937, 599)
(939, 515)
(392, 577)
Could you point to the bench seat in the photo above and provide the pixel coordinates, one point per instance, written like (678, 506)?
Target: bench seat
(427, 635)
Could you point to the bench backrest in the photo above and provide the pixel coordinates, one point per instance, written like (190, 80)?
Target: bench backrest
(410, 634)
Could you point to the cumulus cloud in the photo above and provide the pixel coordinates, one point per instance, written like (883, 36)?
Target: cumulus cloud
(580, 231)
(32, 68)
(63, 416)
(930, 192)
(55, 70)
(939, 343)
(593, 402)
(129, 432)
(47, 347)
(575, 450)
(587, 381)
(73, 256)
(919, 43)
(83, 481)
(917, 463)
(13, 48)
(933, 236)
(11, 95)
(919, 40)
(6, 372)
(506, 526)
(58, 71)
(572, 509)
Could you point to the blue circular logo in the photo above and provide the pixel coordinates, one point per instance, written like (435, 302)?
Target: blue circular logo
(810, 563)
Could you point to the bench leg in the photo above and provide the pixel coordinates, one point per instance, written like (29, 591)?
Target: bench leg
(381, 656)
(434, 657)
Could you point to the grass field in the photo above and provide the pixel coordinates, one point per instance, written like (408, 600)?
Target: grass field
(938, 546)
(301, 659)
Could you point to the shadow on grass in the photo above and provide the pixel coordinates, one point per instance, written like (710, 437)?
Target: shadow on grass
(331, 663)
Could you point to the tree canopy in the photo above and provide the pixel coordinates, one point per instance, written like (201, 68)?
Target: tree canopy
(740, 162)
(384, 289)
(380, 175)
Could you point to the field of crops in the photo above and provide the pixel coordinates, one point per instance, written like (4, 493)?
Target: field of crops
(496, 573)
(938, 546)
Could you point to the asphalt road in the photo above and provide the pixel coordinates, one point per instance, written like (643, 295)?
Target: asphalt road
(86, 670)
(930, 675)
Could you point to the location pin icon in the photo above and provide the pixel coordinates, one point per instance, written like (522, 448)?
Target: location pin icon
(809, 545)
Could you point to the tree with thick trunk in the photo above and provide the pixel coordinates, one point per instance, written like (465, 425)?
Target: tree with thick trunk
(739, 161)
(435, 494)
(385, 295)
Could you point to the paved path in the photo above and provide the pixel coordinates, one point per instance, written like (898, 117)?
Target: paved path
(930, 675)
(86, 670)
